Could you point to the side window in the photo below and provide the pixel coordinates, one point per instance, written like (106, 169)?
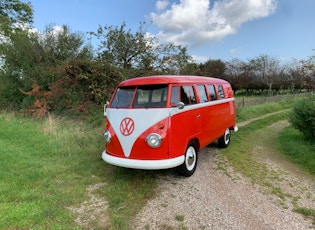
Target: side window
(212, 92)
(175, 98)
(220, 91)
(202, 93)
(188, 95)
(183, 94)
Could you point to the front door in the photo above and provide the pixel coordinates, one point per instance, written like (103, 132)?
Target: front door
(185, 123)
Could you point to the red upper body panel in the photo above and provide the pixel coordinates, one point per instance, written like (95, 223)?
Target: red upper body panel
(171, 79)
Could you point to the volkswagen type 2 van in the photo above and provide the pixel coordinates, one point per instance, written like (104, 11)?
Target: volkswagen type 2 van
(160, 122)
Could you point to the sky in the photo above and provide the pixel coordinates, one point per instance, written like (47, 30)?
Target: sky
(210, 29)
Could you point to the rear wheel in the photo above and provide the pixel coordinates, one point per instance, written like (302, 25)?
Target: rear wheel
(224, 141)
(190, 164)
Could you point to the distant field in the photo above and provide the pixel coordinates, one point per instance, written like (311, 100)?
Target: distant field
(241, 101)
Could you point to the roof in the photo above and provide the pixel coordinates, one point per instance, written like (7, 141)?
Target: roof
(171, 79)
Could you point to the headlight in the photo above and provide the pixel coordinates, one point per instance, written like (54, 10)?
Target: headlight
(154, 140)
(107, 136)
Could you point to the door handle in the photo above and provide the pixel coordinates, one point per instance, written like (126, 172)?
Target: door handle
(198, 116)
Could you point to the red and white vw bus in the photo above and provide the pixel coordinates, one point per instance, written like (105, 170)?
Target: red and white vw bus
(160, 122)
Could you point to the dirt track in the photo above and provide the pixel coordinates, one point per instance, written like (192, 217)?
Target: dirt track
(215, 199)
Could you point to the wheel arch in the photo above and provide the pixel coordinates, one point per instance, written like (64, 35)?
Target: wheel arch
(195, 142)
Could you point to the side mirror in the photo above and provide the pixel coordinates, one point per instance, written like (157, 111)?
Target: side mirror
(180, 105)
(105, 107)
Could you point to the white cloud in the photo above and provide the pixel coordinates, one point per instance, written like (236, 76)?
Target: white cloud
(200, 59)
(161, 5)
(196, 22)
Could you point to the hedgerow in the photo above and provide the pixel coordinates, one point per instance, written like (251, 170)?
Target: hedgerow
(303, 116)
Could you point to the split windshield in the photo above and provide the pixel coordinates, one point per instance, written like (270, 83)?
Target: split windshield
(148, 96)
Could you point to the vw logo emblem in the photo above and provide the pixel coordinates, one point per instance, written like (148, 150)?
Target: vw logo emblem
(127, 125)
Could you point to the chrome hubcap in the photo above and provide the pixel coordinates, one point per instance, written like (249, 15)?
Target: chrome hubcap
(227, 136)
(190, 158)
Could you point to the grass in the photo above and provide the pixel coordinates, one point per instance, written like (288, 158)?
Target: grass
(179, 217)
(127, 192)
(250, 112)
(46, 167)
(298, 149)
(240, 151)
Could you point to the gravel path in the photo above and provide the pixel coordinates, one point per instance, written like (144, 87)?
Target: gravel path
(215, 199)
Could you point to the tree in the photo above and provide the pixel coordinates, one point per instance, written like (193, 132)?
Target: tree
(174, 59)
(265, 69)
(32, 57)
(13, 12)
(190, 69)
(59, 44)
(138, 51)
(19, 64)
(213, 68)
(293, 76)
(308, 69)
(235, 74)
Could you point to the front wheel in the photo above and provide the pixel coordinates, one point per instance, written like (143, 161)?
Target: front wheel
(190, 164)
(224, 141)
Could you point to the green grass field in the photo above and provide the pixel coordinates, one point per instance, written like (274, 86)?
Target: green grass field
(297, 149)
(46, 167)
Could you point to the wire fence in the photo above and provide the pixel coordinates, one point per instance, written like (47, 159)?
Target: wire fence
(242, 102)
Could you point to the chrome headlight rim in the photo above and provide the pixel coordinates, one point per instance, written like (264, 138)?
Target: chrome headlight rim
(154, 140)
(107, 136)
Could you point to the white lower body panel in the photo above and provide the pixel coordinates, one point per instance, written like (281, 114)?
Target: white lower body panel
(143, 164)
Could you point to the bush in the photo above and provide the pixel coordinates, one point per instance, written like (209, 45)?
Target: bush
(303, 116)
